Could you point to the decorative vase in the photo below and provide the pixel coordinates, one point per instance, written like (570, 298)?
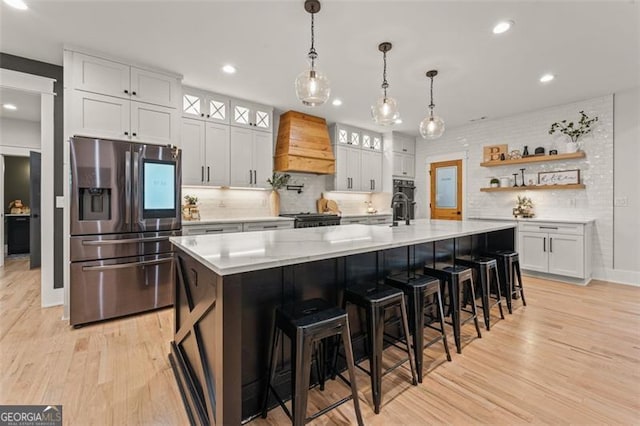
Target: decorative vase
(274, 203)
(572, 147)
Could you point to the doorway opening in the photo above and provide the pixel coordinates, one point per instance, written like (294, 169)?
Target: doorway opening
(446, 194)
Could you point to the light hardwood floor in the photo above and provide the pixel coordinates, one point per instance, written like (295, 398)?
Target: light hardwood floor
(571, 356)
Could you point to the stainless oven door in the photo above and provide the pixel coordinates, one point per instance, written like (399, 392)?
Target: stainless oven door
(112, 288)
(157, 180)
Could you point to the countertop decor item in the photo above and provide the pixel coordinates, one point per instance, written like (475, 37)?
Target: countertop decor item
(515, 179)
(560, 177)
(385, 110)
(190, 210)
(494, 152)
(277, 181)
(432, 126)
(525, 151)
(574, 131)
(494, 183)
(312, 86)
(523, 182)
(515, 155)
(16, 207)
(523, 208)
(540, 151)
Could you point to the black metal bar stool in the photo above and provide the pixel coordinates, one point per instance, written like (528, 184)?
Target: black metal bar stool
(509, 268)
(418, 288)
(456, 277)
(486, 269)
(307, 323)
(375, 299)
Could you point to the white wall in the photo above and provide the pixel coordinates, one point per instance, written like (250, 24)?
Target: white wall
(626, 129)
(531, 129)
(19, 133)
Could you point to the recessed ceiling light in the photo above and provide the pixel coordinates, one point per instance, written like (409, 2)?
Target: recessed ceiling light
(502, 27)
(17, 4)
(547, 78)
(229, 69)
(336, 102)
(12, 107)
(398, 121)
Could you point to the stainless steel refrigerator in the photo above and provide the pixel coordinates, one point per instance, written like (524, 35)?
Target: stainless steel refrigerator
(125, 205)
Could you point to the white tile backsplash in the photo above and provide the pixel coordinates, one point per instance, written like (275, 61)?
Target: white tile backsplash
(531, 129)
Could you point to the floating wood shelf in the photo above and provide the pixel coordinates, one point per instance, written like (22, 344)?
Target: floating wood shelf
(534, 188)
(535, 159)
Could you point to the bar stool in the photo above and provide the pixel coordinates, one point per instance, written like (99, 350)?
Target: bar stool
(509, 268)
(486, 269)
(307, 323)
(418, 288)
(375, 299)
(456, 277)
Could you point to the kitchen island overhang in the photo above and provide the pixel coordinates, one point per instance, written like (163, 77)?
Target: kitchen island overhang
(227, 287)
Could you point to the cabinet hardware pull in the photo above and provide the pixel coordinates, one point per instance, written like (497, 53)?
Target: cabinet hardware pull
(544, 244)
(270, 226)
(126, 91)
(404, 150)
(127, 265)
(202, 115)
(126, 133)
(208, 116)
(255, 177)
(550, 244)
(208, 174)
(250, 177)
(213, 230)
(548, 227)
(134, 134)
(201, 173)
(133, 93)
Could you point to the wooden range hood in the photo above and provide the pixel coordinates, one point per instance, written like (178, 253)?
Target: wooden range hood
(303, 145)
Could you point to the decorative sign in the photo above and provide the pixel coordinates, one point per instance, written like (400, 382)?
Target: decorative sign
(492, 153)
(560, 177)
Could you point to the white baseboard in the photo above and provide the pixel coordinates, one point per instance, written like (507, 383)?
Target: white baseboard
(619, 276)
(553, 277)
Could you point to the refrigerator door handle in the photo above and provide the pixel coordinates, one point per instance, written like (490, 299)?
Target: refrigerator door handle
(124, 241)
(127, 178)
(127, 265)
(134, 190)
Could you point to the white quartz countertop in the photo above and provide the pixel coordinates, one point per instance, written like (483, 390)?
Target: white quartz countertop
(236, 220)
(539, 219)
(234, 253)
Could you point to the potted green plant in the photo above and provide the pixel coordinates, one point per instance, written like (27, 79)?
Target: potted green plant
(277, 181)
(523, 208)
(574, 131)
(190, 209)
(494, 183)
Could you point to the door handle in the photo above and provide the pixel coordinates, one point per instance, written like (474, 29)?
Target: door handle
(35, 215)
(550, 244)
(250, 177)
(255, 177)
(127, 178)
(202, 174)
(544, 244)
(127, 265)
(124, 241)
(208, 174)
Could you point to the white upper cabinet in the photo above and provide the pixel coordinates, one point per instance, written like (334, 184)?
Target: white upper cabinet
(403, 165)
(371, 141)
(371, 173)
(205, 153)
(251, 115)
(113, 78)
(99, 75)
(192, 138)
(358, 155)
(404, 144)
(217, 154)
(100, 116)
(251, 155)
(154, 88)
(205, 105)
(153, 123)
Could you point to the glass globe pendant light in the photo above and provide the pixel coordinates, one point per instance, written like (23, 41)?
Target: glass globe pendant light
(312, 86)
(432, 126)
(385, 111)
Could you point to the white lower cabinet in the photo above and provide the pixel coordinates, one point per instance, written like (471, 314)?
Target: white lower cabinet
(555, 248)
(215, 228)
(205, 153)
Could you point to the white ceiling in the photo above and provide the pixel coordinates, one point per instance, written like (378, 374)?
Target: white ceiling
(27, 104)
(592, 47)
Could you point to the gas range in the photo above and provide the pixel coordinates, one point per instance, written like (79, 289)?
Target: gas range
(312, 220)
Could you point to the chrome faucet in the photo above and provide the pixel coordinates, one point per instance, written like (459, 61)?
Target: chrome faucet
(405, 201)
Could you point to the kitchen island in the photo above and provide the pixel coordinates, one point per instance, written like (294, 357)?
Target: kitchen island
(227, 287)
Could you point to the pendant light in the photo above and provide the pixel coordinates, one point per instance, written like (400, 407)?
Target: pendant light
(312, 86)
(432, 127)
(385, 111)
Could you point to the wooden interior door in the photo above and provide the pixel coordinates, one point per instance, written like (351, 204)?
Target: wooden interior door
(446, 190)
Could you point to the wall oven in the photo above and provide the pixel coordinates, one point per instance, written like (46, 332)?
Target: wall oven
(125, 205)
